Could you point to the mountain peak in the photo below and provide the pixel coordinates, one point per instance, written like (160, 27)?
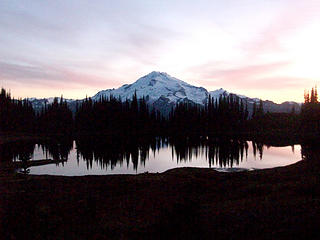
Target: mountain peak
(159, 84)
(157, 73)
(154, 75)
(217, 93)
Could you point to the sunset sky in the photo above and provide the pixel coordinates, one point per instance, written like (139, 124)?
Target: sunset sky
(268, 49)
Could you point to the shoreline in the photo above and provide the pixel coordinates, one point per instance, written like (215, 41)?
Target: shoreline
(180, 203)
(187, 198)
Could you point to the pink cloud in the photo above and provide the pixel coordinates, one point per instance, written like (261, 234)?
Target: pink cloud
(249, 77)
(291, 19)
(34, 74)
(245, 71)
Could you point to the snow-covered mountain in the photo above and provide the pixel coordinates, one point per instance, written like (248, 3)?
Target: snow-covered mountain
(268, 106)
(156, 85)
(163, 92)
(221, 92)
(40, 103)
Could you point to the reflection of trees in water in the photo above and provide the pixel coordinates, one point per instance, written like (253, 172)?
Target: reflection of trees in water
(230, 153)
(222, 152)
(57, 148)
(109, 151)
(227, 153)
(185, 148)
(14, 151)
(24, 150)
(257, 147)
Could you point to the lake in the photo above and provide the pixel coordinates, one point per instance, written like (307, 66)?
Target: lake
(89, 156)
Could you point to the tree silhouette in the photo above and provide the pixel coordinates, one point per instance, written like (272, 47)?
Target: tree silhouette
(310, 113)
(15, 115)
(56, 118)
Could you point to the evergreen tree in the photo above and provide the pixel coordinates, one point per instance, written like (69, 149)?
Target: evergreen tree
(310, 113)
(15, 115)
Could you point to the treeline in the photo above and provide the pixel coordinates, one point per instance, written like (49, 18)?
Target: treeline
(273, 124)
(227, 115)
(310, 113)
(111, 115)
(19, 116)
(55, 118)
(15, 114)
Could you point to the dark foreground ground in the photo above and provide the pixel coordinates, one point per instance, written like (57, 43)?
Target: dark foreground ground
(186, 203)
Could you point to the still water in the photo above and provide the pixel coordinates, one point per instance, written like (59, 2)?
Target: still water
(114, 156)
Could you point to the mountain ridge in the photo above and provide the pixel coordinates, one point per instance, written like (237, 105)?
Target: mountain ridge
(163, 92)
